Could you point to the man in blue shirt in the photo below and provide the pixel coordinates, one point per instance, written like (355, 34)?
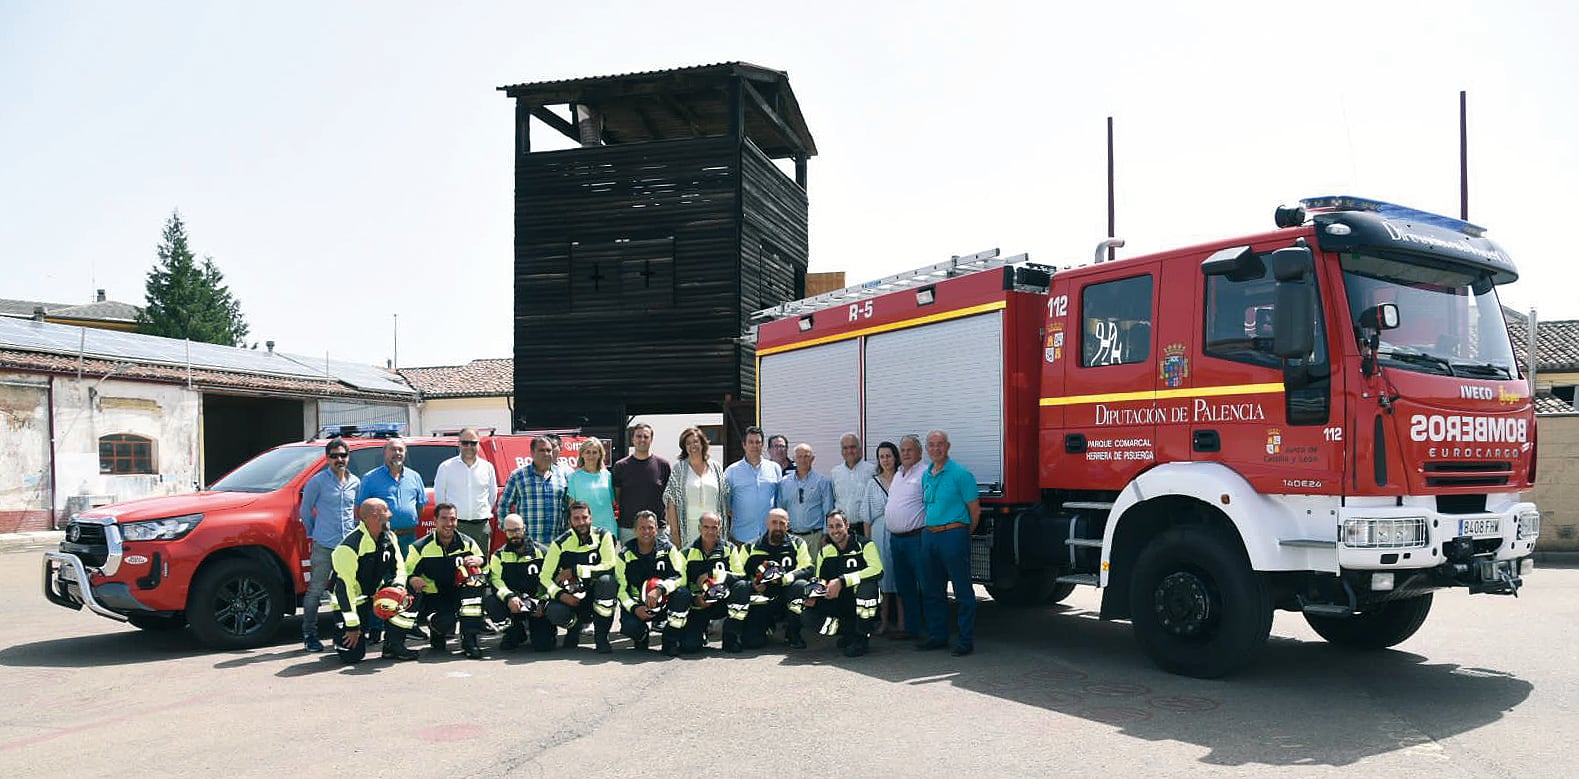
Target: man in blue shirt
(953, 508)
(753, 484)
(399, 487)
(328, 513)
(808, 497)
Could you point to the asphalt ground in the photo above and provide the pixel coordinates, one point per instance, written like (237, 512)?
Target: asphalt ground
(1489, 687)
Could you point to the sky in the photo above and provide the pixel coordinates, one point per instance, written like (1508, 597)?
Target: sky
(348, 165)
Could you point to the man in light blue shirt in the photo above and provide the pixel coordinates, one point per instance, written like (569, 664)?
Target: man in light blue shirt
(753, 484)
(328, 513)
(808, 497)
(401, 488)
(953, 511)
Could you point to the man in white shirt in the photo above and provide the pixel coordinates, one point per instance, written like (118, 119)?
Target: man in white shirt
(905, 516)
(470, 483)
(851, 478)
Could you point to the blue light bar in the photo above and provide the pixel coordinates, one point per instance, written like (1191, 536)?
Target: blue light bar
(364, 430)
(1391, 211)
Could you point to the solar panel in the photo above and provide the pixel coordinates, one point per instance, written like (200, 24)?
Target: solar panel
(69, 340)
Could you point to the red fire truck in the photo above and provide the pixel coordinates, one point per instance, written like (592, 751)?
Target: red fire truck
(1326, 418)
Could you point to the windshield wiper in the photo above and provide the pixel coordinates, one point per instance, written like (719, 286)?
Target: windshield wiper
(1415, 358)
(1496, 371)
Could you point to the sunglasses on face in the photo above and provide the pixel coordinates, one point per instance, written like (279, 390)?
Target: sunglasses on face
(339, 456)
(469, 443)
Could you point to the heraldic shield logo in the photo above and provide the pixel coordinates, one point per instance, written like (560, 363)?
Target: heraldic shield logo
(1274, 440)
(1175, 365)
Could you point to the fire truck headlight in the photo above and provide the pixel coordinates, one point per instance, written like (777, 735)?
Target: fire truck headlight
(160, 529)
(1529, 523)
(1387, 533)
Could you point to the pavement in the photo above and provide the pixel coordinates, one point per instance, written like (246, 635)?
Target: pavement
(26, 542)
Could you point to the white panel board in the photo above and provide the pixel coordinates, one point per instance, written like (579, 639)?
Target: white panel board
(812, 396)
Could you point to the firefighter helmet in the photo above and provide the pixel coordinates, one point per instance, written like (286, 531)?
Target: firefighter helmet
(652, 585)
(389, 601)
(716, 591)
(769, 572)
(818, 589)
(470, 576)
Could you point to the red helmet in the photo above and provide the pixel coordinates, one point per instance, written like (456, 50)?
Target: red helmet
(389, 601)
(470, 576)
(655, 585)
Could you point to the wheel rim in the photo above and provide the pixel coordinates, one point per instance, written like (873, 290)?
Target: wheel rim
(241, 606)
(1184, 604)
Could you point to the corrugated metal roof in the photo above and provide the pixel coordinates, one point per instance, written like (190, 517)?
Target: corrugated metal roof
(568, 82)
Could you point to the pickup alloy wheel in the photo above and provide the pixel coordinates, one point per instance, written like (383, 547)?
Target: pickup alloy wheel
(236, 604)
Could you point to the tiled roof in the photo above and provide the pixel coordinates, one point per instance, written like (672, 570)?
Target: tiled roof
(102, 311)
(1547, 403)
(1559, 347)
(24, 308)
(478, 378)
(201, 379)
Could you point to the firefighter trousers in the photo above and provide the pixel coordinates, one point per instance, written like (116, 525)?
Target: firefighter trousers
(853, 613)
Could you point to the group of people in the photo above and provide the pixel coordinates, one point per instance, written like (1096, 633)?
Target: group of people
(764, 545)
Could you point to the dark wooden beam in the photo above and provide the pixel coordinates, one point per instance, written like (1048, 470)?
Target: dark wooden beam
(647, 122)
(568, 129)
(523, 128)
(772, 116)
(684, 113)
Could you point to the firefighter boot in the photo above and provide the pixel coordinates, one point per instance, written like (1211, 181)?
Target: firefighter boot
(470, 646)
(792, 637)
(732, 643)
(514, 636)
(856, 644)
(437, 641)
(600, 638)
(395, 645)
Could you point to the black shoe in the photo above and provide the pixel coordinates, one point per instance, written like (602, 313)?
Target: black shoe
(671, 649)
(960, 650)
(930, 644)
(438, 642)
(511, 640)
(312, 644)
(471, 648)
(571, 639)
(856, 648)
(393, 651)
(795, 641)
(603, 648)
(417, 633)
(732, 644)
(641, 643)
(843, 642)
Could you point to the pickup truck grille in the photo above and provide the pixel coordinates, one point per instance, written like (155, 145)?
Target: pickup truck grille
(86, 541)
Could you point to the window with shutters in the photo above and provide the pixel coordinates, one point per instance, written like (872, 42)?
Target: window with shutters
(124, 453)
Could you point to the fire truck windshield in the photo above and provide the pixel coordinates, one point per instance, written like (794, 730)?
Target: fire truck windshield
(1449, 319)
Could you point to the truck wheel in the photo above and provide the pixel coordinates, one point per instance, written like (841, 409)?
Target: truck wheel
(1378, 627)
(157, 621)
(1060, 591)
(1024, 589)
(1197, 607)
(236, 604)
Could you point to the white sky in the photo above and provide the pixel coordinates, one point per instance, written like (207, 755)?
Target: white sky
(343, 162)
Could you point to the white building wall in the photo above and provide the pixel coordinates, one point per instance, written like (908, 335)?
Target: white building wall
(89, 408)
(450, 414)
(24, 452)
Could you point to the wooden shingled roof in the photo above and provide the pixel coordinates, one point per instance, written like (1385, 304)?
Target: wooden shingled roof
(686, 102)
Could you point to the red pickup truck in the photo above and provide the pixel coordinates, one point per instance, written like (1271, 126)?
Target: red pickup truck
(231, 561)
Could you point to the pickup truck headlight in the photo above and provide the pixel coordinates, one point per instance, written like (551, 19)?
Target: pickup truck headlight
(160, 529)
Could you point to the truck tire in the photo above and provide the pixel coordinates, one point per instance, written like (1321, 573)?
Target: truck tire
(157, 622)
(236, 604)
(1196, 606)
(1031, 588)
(1378, 627)
(1060, 591)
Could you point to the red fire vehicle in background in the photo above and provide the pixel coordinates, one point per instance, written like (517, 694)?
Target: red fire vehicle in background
(1326, 418)
(232, 561)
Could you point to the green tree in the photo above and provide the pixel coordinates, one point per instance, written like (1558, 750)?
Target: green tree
(186, 299)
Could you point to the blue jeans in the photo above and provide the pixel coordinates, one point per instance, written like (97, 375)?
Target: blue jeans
(323, 568)
(906, 576)
(946, 561)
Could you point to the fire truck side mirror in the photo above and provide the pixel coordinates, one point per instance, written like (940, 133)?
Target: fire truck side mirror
(1238, 263)
(1294, 312)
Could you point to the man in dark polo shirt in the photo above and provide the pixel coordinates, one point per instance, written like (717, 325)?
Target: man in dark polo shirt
(639, 479)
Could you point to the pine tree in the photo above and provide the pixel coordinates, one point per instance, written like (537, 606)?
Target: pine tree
(186, 299)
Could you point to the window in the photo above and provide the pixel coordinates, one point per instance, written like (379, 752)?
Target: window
(1238, 326)
(1116, 322)
(125, 453)
(623, 272)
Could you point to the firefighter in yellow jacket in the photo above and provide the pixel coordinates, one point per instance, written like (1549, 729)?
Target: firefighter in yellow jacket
(448, 577)
(519, 598)
(778, 567)
(578, 575)
(365, 561)
(649, 559)
(843, 597)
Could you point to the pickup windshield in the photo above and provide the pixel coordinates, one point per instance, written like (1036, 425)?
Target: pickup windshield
(1449, 320)
(269, 471)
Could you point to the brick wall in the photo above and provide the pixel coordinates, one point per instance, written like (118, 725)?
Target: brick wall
(1557, 482)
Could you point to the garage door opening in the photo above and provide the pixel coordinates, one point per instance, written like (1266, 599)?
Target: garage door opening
(235, 429)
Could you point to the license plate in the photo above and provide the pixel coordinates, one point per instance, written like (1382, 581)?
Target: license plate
(1483, 526)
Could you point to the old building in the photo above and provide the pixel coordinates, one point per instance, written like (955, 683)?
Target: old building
(101, 313)
(90, 416)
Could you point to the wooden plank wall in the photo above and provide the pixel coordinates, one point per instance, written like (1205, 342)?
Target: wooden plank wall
(773, 247)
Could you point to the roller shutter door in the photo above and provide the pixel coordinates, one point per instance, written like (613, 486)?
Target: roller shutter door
(946, 376)
(812, 395)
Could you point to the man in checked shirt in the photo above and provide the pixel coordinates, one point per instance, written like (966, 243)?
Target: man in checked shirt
(538, 491)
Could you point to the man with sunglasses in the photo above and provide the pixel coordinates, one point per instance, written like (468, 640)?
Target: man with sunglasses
(328, 513)
(469, 482)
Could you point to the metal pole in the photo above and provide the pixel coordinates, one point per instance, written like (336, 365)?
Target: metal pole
(395, 363)
(1111, 228)
(1463, 156)
(1531, 355)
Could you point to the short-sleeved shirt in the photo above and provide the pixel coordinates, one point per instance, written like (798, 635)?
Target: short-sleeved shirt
(406, 496)
(752, 492)
(948, 493)
(597, 491)
(640, 484)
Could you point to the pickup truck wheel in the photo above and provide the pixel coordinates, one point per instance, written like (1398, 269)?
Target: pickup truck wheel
(157, 621)
(1378, 627)
(236, 604)
(1197, 607)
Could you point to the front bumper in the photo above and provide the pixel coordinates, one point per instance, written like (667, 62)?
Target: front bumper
(1482, 552)
(68, 583)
